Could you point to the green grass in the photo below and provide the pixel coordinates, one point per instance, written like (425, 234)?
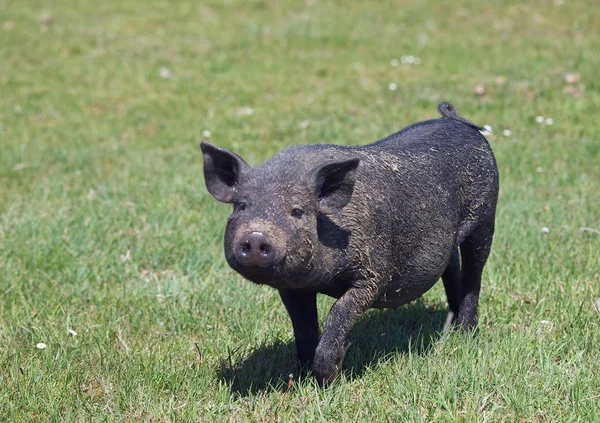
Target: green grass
(106, 227)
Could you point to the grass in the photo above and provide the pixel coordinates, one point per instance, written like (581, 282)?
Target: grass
(106, 227)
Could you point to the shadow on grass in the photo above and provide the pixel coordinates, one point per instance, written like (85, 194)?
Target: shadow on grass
(413, 327)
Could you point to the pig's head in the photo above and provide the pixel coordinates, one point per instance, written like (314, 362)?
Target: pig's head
(274, 235)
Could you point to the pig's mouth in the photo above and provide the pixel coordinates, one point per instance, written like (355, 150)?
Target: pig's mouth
(258, 275)
(282, 274)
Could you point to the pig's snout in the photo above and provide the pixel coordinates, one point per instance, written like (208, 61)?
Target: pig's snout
(255, 249)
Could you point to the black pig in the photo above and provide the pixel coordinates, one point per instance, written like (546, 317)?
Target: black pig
(373, 226)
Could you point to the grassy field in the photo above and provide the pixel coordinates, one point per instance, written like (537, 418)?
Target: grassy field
(111, 248)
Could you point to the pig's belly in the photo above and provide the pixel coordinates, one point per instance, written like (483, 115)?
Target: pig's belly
(418, 274)
(401, 291)
(406, 288)
(411, 283)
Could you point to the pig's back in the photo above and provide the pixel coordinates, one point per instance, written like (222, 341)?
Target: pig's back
(443, 133)
(443, 155)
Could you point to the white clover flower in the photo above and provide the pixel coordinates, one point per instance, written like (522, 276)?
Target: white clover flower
(392, 86)
(165, 73)
(245, 111)
(549, 121)
(507, 133)
(410, 60)
(545, 230)
(539, 119)
(40, 346)
(126, 257)
(539, 169)
(394, 62)
(206, 133)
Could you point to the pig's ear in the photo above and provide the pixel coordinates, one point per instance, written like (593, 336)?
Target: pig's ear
(335, 183)
(222, 171)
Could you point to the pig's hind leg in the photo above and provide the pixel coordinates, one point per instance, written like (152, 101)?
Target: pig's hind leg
(451, 279)
(474, 252)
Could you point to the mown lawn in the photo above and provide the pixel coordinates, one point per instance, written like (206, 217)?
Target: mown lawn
(111, 248)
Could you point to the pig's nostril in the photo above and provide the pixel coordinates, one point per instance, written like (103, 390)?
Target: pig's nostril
(245, 248)
(265, 249)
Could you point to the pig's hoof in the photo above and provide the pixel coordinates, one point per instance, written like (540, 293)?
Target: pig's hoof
(469, 326)
(325, 376)
(467, 320)
(327, 364)
(325, 370)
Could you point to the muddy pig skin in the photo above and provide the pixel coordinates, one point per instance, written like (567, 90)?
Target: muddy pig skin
(373, 226)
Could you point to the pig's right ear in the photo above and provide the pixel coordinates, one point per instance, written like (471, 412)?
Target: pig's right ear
(222, 171)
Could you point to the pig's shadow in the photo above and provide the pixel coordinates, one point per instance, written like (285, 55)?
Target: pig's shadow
(413, 328)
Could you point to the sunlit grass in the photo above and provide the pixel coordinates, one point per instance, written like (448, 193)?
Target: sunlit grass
(107, 231)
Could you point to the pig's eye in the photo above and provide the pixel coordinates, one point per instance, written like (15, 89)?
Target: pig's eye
(241, 206)
(297, 213)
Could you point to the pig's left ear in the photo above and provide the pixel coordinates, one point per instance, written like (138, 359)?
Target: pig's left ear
(335, 183)
(223, 171)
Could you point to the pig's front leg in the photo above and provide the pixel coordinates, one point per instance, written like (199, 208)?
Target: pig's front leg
(302, 308)
(343, 316)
